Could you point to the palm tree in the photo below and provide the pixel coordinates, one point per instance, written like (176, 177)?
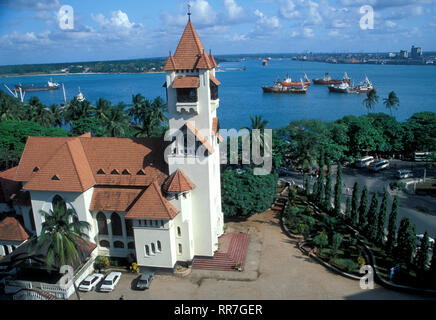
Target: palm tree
(77, 110)
(136, 111)
(39, 113)
(371, 100)
(102, 108)
(116, 121)
(61, 231)
(149, 117)
(257, 123)
(57, 114)
(392, 102)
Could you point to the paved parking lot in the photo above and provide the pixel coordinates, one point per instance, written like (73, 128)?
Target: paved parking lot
(276, 269)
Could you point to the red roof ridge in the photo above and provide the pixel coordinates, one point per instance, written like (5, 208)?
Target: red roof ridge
(77, 162)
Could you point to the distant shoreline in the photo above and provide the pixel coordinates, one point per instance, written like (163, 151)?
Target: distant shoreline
(15, 75)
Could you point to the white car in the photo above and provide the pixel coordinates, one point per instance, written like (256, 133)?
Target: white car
(404, 174)
(91, 282)
(421, 237)
(110, 282)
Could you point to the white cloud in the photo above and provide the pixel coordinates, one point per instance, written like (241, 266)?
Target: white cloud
(390, 24)
(234, 11)
(288, 9)
(202, 12)
(119, 19)
(308, 32)
(264, 22)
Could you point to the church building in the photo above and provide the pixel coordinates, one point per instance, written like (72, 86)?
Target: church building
(155, 199)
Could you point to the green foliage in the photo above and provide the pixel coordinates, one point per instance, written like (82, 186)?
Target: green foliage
(307, 187)
(422, 256)
(406, 243)
(336, 243)
(392, 102)
(392, 227)
(363, 209)
(348, 209)
(382, 215)
(355, 205)
(321, 240)
(419, 132)
(92, 124)
(338, 191)
(328, 188)
(397, 185)
(371, 100)
(347, 265)
(246, 194)
(372, 226)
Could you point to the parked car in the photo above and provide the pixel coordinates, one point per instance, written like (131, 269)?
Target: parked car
(110, 282)
(404, 174)
(90, 282)
(144, 281)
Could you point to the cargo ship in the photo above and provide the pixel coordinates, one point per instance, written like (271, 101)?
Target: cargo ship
(31, 87)
(289, 83)
(363, 87)
(278, 88)
(327, 80)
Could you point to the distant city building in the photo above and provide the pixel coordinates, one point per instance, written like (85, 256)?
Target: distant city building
(404, 54)
(392, 55)
(416, 52)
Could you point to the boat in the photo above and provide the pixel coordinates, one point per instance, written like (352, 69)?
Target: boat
(80, 97)
(265, 62)
(289, 83)
(343, 87)
(363, 87)
(32, 87)
(278, 88)
(327, 80)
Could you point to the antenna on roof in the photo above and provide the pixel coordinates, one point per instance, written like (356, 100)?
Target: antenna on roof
(189, 12)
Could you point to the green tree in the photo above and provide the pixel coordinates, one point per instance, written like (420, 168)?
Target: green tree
(61, 231)
(92, 124)
(328, 187)
(39, 113)
(307, 186)
(348, 209)
(77, 110)
(392, 227)
(257, 123)
(392, 102)
(406, 243)
(338, 191)
(57, 115)
(336, 243)
(382, 215)
(321, 240)
(116, 121)
(102, 109)
(372, 226)
(355, 205)
(433, 266)
(363, 209)
(371, 100)
(422, 256)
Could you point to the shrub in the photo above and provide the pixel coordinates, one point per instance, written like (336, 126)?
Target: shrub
(397, 185)
(321, 240)
(336, 243)
(361, 261)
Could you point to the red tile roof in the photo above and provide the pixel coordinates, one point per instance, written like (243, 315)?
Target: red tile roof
(178, 182)
(77, 161)
(186, 82)
(214, 80)
(113, 199)
(190, 53)
(8, 185)
(200, 137)
(12, 230)
(152, 205)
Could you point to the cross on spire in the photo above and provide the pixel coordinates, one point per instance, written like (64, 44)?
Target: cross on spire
(189, 12)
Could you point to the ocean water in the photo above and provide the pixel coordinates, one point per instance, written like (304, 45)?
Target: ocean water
(241, 93)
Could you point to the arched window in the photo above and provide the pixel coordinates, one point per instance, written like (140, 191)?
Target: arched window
(118, 245)
(159, 246)
(105, 244)
(179, 232)
(129, 228)
(131, 245)
(117, 230)
(153, 248)
(102, 224)
(147, 250)
(59, 202)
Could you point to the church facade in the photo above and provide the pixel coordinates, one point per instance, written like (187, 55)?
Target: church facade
(157, 199)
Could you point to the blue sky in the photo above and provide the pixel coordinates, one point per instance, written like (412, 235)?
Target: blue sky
(110, 29)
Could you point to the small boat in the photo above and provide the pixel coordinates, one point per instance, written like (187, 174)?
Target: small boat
(265, 62)
(80, 97)
(32, 88)
(327, 80)
(289, 83)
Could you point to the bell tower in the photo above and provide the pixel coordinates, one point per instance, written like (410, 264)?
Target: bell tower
(193, 100)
